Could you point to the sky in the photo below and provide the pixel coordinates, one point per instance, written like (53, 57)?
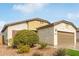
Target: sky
(10, 12)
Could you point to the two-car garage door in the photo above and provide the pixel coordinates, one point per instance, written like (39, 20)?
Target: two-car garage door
(65, 39)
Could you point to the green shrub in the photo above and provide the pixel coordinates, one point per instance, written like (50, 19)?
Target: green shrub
(60, 52)
(23, 49)
(42, 45)
(24, 37)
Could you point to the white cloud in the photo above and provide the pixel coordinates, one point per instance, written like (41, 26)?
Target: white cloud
(28, 8)
(73, 16)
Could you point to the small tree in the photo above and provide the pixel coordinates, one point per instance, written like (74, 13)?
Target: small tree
(25, 37)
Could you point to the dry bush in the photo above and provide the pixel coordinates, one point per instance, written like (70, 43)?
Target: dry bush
(37, 54)
(60, 52)
(42, 45)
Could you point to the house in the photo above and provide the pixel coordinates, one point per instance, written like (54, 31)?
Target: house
(77, 34)
(9, 30)
(61, 34)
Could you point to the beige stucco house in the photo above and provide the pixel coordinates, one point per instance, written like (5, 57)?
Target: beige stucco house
(61, 34)
(77, 34)
(9, 30)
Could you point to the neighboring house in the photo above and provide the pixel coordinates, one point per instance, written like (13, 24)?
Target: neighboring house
(61, 34)
(78, 34)
(9, 30)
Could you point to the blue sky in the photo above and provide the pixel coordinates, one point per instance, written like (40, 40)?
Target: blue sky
(51, 12)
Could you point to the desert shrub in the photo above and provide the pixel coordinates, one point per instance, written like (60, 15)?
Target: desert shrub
(24, 37)
(42, 45)
(60, 52)
(37, 54)
(23, 49)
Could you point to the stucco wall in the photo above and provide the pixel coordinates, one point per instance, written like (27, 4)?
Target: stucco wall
(64, 27)
(15, 27)
(35, 24)
(32, 25)
(47, 35)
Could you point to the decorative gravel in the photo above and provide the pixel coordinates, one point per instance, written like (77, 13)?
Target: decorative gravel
(4, 51)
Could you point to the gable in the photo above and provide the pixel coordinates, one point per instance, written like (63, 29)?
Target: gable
(64, 27)
(66, 22)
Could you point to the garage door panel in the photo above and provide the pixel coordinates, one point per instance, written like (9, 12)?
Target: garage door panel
(65, 39)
